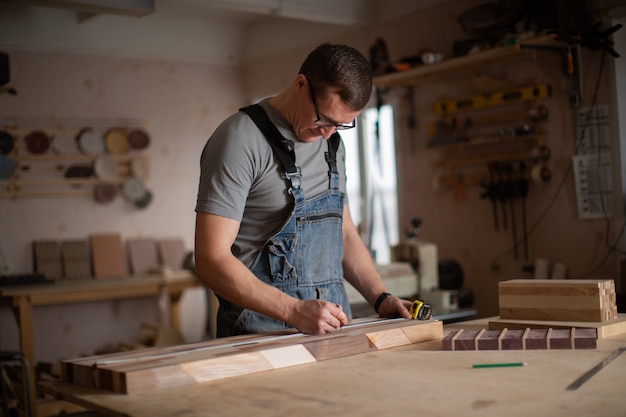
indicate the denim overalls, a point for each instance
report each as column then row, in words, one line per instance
column 304, row 258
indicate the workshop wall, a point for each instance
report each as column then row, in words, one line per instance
column 179, row 104
column 464, row 230
column 181, row 99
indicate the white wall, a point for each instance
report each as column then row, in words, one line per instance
column 179, row 103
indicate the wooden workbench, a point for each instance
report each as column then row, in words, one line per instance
column 418, row 379
column 24, row 298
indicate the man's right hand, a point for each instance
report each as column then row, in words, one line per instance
column 317, row 317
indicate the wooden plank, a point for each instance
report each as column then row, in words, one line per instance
column 151, row 369
column 554, row 314
column 605, row 329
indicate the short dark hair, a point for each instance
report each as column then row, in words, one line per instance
column 340, row 67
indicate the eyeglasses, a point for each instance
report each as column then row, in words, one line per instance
column 327, row 123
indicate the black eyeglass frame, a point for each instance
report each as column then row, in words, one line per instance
column 327, row 123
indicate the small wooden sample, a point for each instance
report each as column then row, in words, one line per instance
column 584, row 300
column 150, row 369
column 47, row 258
column 527, row 339
column 107, row 255
column 171, row 253
column 75, row 255
column 142, row 255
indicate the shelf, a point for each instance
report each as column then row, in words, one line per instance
column 464, row 63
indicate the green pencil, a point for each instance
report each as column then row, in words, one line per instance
column 499, row 365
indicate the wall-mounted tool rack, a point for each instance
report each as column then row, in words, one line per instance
column 465, row 63
column 52, row 158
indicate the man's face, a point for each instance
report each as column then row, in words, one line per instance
column 321, row 114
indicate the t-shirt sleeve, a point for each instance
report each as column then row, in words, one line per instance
column 227, row 170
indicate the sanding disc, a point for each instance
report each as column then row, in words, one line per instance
column 37, row 142
column 133, row 189
column 104, row 192
column 7, row 167
column 116, row 141
column 64, row 143
column 6, row 142
column 91, row 141
column 138, row 139
column 140, row 168
column 145, row 200
column 105, row 168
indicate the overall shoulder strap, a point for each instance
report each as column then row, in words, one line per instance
column 282, row 146
column 331, row 154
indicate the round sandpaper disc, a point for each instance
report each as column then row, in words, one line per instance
column 91, row 141
column 138, row 139
column 7, row 167
column 116, row 141
column 104, row 192
column 6, row 142
column 64, row 143
column 133, row 189
column 105, row 168
column 37, row 142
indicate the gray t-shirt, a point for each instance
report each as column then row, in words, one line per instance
column 242, row 179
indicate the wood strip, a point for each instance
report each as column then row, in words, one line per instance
column 575, row 302
column 555, row 314
column 157, row 368
column 604, row 330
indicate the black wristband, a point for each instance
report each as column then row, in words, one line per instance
column 379, row 300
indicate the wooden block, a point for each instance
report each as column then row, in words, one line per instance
column 512, row 340
column 157, row 368
column 605, row 329
column 448, row 340
column 564, row 300
column 466, row 340
column 75, row 256
column 536, row 339
column 107, row 255
column 489, row 340
column 560, row 339
column 142, row 255
column 585, row 338
column 47, row 258
column 171, row 253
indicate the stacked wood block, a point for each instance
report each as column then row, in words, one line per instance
column 150, row 369
column 47, row 258
column 561, row 300
column 528, row 339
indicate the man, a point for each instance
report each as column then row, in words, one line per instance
column 274, row 236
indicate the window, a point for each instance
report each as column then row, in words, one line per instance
column 372, row 182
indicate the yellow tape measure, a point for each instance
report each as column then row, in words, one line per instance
column 420, row 310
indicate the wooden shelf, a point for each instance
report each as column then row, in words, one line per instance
column 464, row 63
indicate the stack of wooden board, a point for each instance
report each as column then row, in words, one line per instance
column 157, row 368
column 567, row 303
column 562, row 300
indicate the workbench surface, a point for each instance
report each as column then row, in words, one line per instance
column 413, row 380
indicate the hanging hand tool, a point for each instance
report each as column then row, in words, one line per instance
column 491, row 193
column 511, row 195
column 522, row 190
column 460, row 190
column 501, row 191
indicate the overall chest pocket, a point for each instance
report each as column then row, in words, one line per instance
column 322, row 250
column 281, row 256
